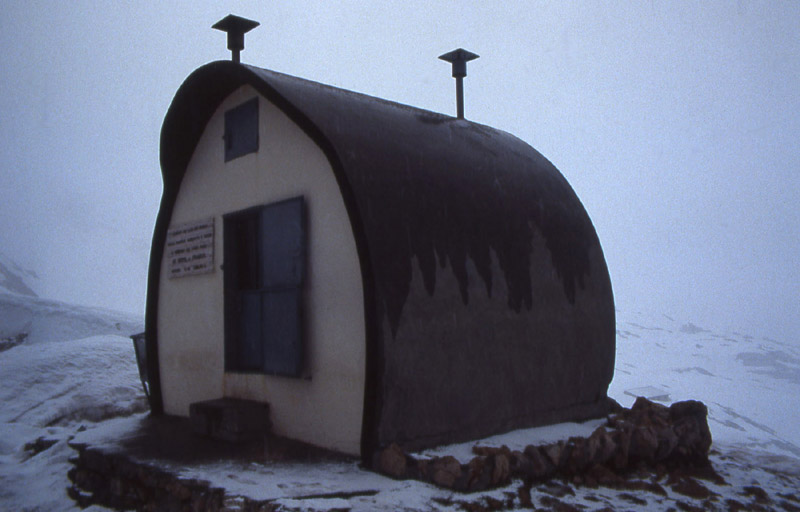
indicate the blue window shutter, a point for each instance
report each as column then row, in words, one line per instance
column 282, row 253
column 282, row 244
column 241, row 130
column 281, row 327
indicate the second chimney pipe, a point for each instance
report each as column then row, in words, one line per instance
column 459, row 59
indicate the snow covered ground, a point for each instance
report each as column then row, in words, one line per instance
column 750, row 383
column 65, row 368
column 73, row 375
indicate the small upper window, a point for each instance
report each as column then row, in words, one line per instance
column 241, row 130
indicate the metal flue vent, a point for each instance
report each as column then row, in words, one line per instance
column 459, row 59
column 236, row 27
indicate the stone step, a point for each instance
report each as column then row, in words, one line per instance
column 230, row 419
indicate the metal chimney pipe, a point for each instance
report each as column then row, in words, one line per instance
column 459, row 59
column 236, row 27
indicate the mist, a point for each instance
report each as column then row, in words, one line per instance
column 676, row 124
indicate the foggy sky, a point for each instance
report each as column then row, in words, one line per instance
column 675, row 122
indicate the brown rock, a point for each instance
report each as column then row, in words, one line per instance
column 646, row 436
column 691, row 408
column 540, row 466
column 519, row 463
column 490, row 450
column 578, row 457
column 178, row 490
column 501, row 471
column 647, row 413
column 566, row 455
column 445, row 471
column 622, row 442
column 690, row 487
column 553, row 453
column 690, row 424
column 644, row 444
column 600, row 446
column 419, row 470
column 524, row 494
column 116, row 486
column 667, row 442
column 483, row 451
column 479, row 474
column 392, row 461
column 604, row 476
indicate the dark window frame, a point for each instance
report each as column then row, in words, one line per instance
column 264, row 285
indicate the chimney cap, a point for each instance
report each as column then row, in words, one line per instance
column 459, row 58
column 236, row 27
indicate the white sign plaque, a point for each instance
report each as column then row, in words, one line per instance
column 190, row 248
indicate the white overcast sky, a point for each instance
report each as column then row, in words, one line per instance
column 677, row 123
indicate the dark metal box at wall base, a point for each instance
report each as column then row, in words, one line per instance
column 140, row 349
column 230, row 419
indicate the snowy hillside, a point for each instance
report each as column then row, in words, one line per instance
column 63, row 368
column 26, row 317
column 73, row 376
column 16, row 279
column 31, row 320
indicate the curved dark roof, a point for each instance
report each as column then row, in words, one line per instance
column 416, row 184
column 426, row 185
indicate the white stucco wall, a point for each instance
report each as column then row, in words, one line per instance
column 325, row 409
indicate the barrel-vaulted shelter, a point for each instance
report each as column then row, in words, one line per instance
column 375, row 272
